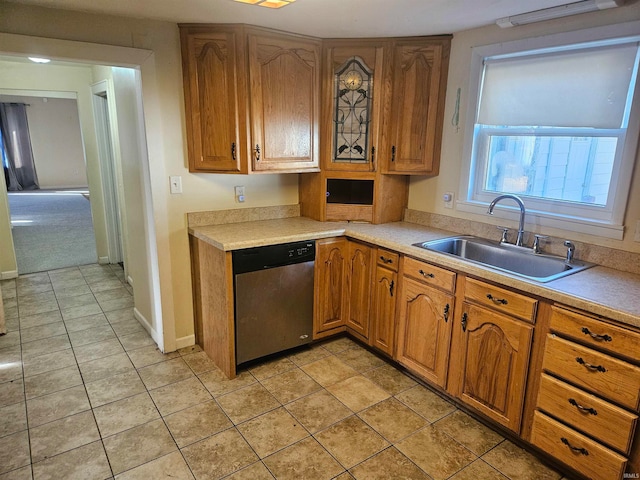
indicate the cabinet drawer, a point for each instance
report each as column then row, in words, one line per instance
column 594, row 332
column 607, row 423
column 500, row 299
column 602, row 374
column 430, row 274
column 388, row 259
column 579, row 452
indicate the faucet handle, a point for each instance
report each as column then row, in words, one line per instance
column 536, row 242
column 505, row 232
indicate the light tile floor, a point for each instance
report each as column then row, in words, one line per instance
column 85, row 394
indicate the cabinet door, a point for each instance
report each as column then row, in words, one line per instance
column 330, row 282
column 212, row 101
column 354, row 85
column 384, row 313
column 284, row 76
column 424, row 330
column 491, row 362
column 359, row 288
column 417, row 108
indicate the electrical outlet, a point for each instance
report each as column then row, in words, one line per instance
column 636, row 238
column 176, row 184
column 447, row 198
column 239, row 191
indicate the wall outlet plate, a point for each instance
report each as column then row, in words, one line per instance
column 447, row 198
column 239, row 193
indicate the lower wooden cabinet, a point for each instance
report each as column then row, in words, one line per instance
column 588, row 400
column 383, row 318
column 329, row 277
column 489, row 361
column 425, row 316
column 358, row 288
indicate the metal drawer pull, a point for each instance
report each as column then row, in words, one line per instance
column 580, row 450
column 598, row 368
column 595, row 336
column 385, row 259
column 425, row 274
column 446, row 313
column 391, row 285
column 589, row 410
column 233, row 150
column 497, row 301
column 257, row 152
column 464, row 322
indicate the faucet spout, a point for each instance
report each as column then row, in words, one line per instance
column 518, row 200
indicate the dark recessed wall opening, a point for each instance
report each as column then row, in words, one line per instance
column 340, row 190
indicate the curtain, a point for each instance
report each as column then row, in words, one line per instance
column 21, row 171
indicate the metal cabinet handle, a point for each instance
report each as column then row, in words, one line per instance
column 595, row 336
column 393, row 153
column 391, row 285
column 257, row 152
column 385, row 259
column 425, row 274
column 445, row 314
column 464, row 322
column 373, row 158
column 583, row 409
column 233, row 150
column 580, row 450
column 497, row 301
column 597, row 368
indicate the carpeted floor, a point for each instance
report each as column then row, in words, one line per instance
column 52, row 230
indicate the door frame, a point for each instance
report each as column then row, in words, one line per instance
column 161, row 325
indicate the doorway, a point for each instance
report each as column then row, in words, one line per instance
column 51, row 221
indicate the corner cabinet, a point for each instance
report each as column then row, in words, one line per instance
column 359, row 271
column 330, row 281
column 252, row 99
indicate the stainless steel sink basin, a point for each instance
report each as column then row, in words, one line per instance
column 509, row 258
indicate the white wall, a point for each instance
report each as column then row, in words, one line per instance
column 56, row 140
column 426, row 194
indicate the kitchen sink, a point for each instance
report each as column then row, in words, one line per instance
column 509, row 258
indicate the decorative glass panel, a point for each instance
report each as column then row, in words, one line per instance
column 353, row 89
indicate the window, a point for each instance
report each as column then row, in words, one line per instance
column 552, row 124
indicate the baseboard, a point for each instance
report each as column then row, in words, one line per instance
column 187, row 341
column 147, row 326
column 103, row 260
column 8, row 275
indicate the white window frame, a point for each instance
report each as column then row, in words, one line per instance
column 601, row 221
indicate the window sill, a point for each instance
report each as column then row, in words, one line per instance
column 562, row 222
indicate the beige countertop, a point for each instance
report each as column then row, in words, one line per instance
column 599, row 290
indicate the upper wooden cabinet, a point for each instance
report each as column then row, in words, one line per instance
column 413, row 128
column 230, row 70
column 354, row 89
column 284, row 88
column 214, row 86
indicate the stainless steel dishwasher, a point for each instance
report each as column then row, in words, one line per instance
column 273, row 298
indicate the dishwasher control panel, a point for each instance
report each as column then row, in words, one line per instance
column 270, row 256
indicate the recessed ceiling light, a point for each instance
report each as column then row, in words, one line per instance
column 268, row 3
column 39, row 60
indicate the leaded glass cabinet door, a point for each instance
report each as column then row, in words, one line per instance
column 353, row 88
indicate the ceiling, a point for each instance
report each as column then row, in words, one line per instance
column 321, row 18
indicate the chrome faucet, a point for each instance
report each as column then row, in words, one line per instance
column 522, row 212
column 571, row 248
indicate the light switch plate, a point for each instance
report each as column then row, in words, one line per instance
column 239, row 192
column 448, row 199
column 176, row 184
